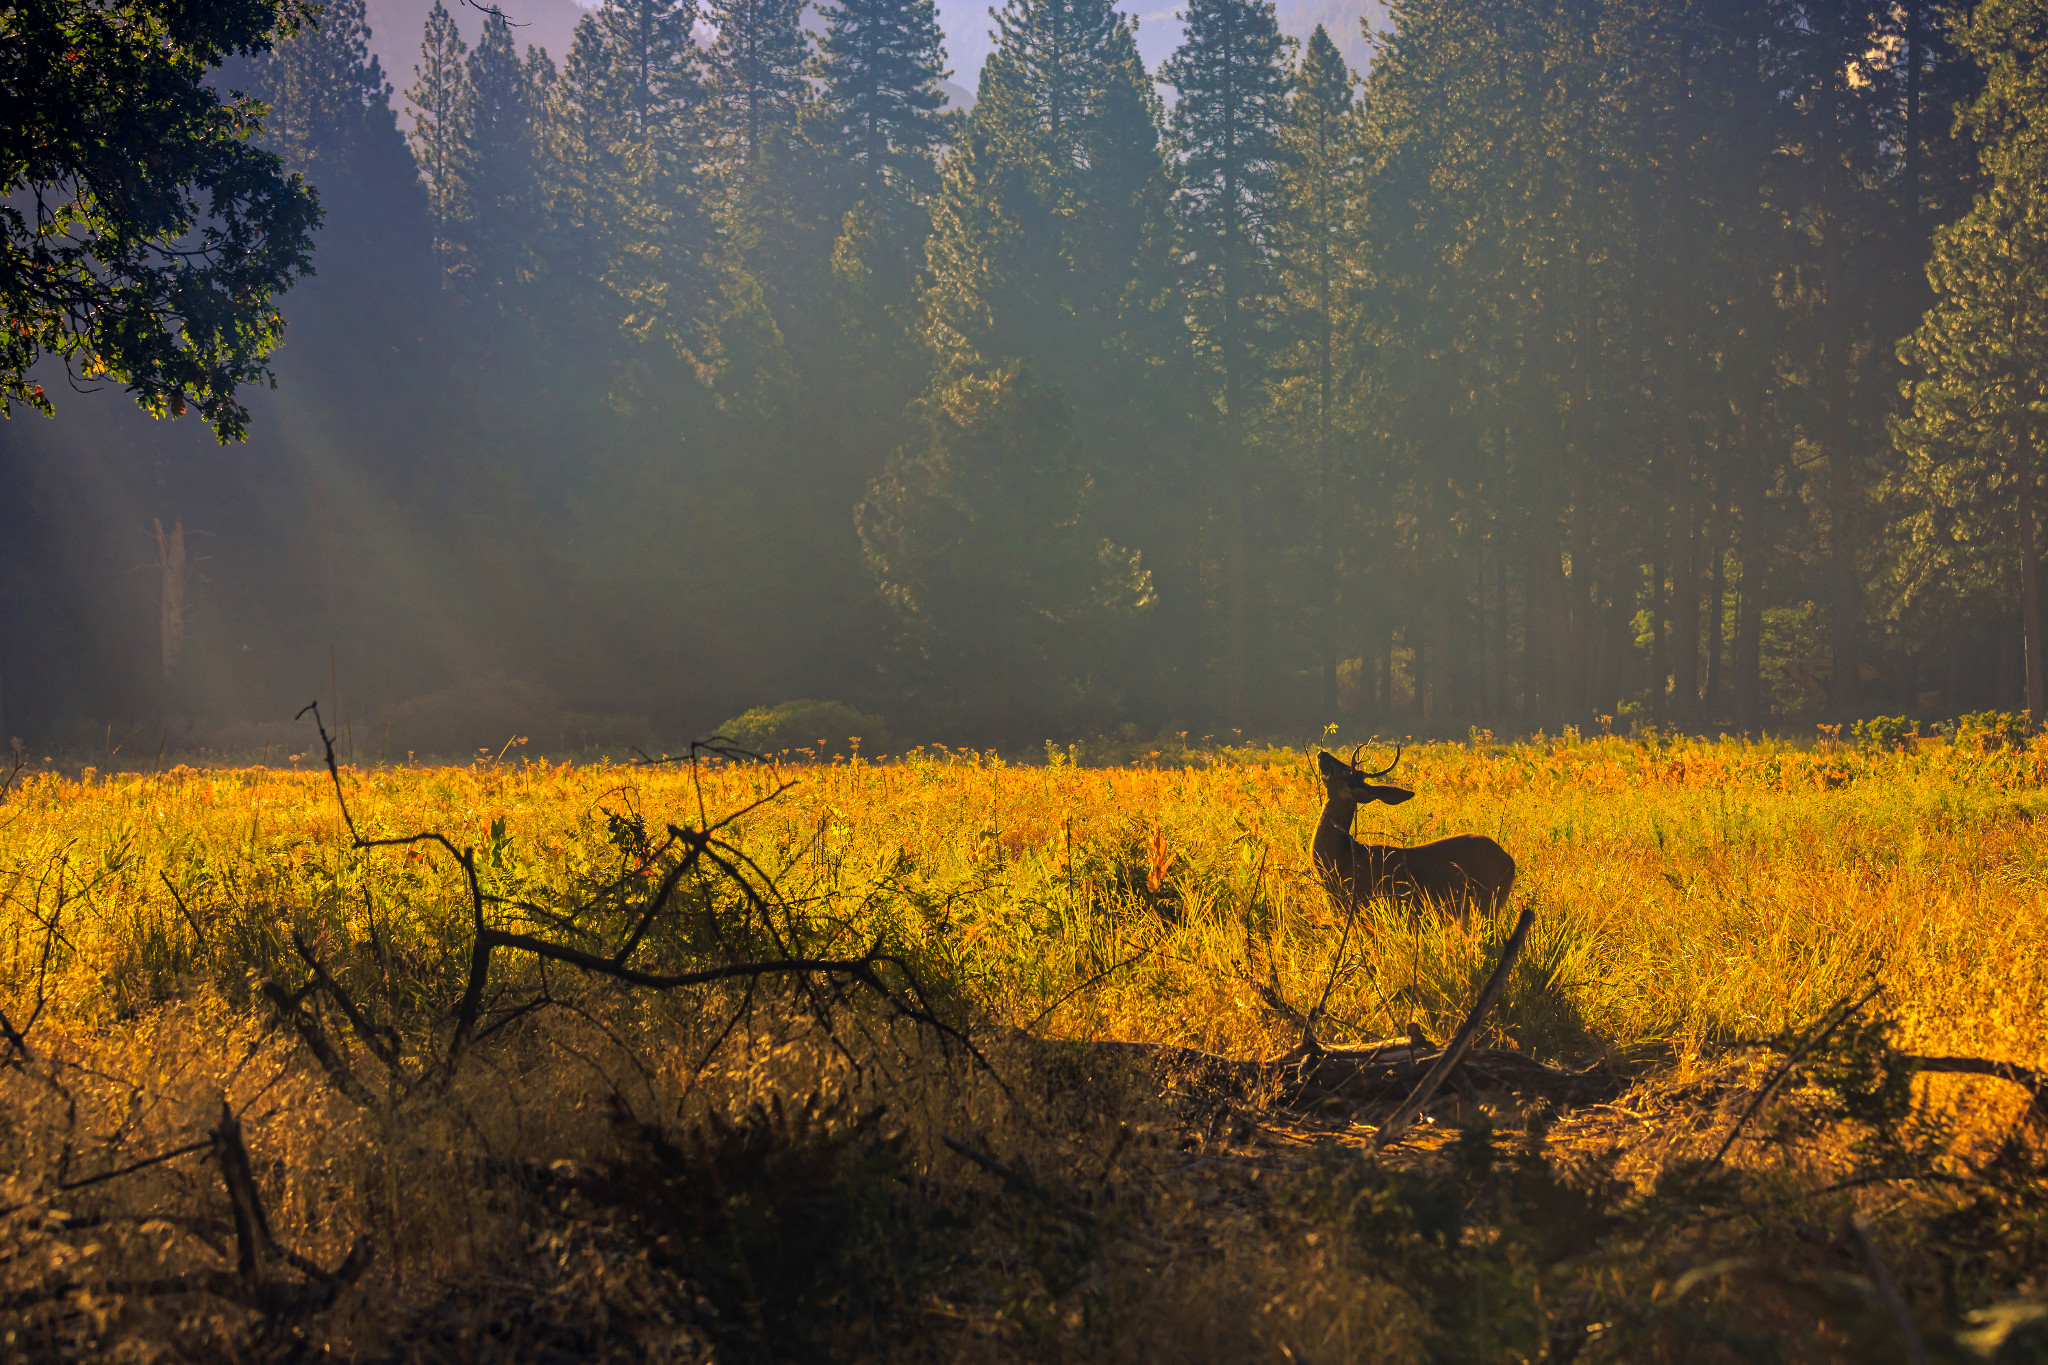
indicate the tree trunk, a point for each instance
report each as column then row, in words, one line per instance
column 2030, row 572
column 1482, row 692
column 1327, row 522
column 1685, row 608
column 1749, row 635
column 1660, row 620
column 1685, row 579
column 1717, row 608
column 1914, row 47
column 1845, row 685
column 1237, row 533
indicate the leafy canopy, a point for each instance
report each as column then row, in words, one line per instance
column 145, row 237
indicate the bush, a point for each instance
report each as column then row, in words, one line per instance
column 1884, row 734
column 1992, row 730
column 826, row 729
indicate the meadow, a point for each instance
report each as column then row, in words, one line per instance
column 164, row 938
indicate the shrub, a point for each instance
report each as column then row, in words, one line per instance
column 1992, row 730
column 826, row 728
column 1884, row 734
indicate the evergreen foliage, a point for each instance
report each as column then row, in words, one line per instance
column 758, row 74
column 657, row 64
column 1973, row 440
column 978, row 539
column 1227, row 132
column 498, row 160
column 440, row 100
column 1550, row 369
column 880, row 63
column 1041, row 87
column 1320, row 192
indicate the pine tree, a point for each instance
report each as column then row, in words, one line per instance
column 440, row 103
column 321, row 85
column 1227, row 128
column 657, row 62
column 1976, row 435
column 992, row 258
column 1040, row 88
column 1122, row 244
column 881, row 62
column 1050, row 207
column 331, row 120
column 585, row 173
column 757, row 81
column 665, row 232
column 498, row 160
column 1318, row 189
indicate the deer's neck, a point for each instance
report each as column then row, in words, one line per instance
column 1333, row 831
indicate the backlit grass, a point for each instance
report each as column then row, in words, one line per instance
column 1686, row 893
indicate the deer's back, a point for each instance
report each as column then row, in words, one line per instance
column 1458, row 872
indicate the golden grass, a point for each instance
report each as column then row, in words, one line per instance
column 1686, row 894
column 1689, row 895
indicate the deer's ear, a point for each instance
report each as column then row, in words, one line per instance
column 1393, row 796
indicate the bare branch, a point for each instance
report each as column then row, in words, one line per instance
column 1462, row 1041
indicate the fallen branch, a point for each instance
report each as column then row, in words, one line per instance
column 205, row 1144
column 255, row 1248
column 1462, row 1041
column 290, row 1009
column 1382, row 1072
column 256, row 1282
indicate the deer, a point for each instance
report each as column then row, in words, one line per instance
column 1453, row 874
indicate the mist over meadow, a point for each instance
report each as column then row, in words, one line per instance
column 1460, row 365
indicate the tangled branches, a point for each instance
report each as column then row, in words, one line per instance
column 684, row 853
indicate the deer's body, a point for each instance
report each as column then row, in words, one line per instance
column 1455, row 874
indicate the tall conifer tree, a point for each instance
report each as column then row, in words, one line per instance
column 1977, row 438
column 586, row 211
column 1041, row 86
column 499, row 159
column 666, row 233
column 1319, row 187
column 881, row 62
column 1227, row 128
column 657, row 63
column 440, row 105
column 757, row 79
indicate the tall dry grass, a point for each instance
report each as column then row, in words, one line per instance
column 1690, row 895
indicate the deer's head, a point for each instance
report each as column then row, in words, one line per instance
column 1349, row 782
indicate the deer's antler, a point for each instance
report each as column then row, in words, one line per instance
column 1384, row 771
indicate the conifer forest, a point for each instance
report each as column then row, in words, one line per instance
column 1677, row 362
